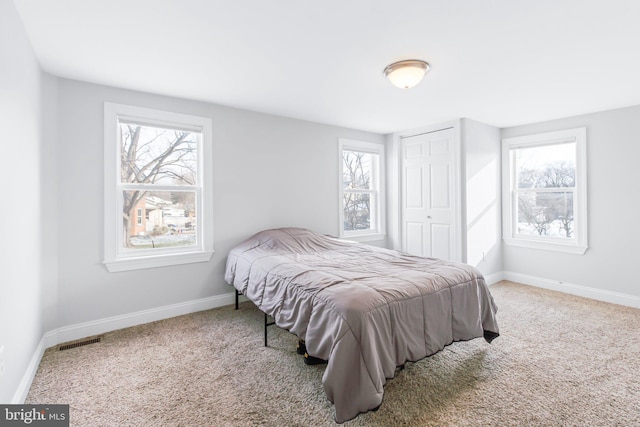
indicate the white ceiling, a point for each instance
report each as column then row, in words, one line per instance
column 502, row 62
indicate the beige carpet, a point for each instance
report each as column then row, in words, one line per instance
column 560, row 361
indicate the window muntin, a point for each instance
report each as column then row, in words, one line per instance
column 157, row 208
column 545, row 191
column 361, row 189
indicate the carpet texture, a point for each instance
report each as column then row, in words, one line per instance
column 561, row 360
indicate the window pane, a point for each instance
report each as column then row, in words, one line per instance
column 168, row 219
column 545, row 214
column 356, row 172
column 546, row 166
column 156, row 155
column 357, row 211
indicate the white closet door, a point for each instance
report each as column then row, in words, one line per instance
column 428, row 194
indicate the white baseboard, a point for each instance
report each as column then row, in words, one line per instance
column 570, row 288
column 101, row 326
column 23, row 389
column 493, row 278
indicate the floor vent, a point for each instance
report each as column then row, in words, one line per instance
column 79, row 343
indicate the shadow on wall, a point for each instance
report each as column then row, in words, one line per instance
column 483, row 212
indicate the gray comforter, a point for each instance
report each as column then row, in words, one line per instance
column 365, row 309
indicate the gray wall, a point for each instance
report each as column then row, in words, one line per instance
column 613, row 153
column 269, row 171
column 48, row 241
column 24, row 296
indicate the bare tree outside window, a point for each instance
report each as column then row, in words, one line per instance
column 545, row 188
column 163, row 159
column 357, row 190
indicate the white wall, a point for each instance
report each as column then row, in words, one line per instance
column 22, row 217
column 481, row 210
column 613, row 153
column 269, row 172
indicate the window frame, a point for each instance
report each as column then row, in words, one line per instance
column 578, row 244
column 116, row 257
column 377, row 231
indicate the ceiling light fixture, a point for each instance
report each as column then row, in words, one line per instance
column 406, row 74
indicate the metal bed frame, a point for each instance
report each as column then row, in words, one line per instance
column 266, row 318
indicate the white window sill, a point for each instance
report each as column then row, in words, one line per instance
column 548, row 246
column 154, row 261
column 365, row 237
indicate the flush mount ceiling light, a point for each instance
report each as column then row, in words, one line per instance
column 406, row 74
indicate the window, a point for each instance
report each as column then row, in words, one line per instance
column 157, row 164
column 361, row 190
column 545, row 191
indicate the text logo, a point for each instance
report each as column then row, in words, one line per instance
column 34, row 415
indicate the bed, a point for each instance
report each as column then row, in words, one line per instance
column 365, row 310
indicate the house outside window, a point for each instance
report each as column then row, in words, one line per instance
column 545, row 191
column 157, row 166
column 361, row 190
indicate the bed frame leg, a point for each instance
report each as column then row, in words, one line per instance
column 265, row 329
column 266, row 320
column 267, row 323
